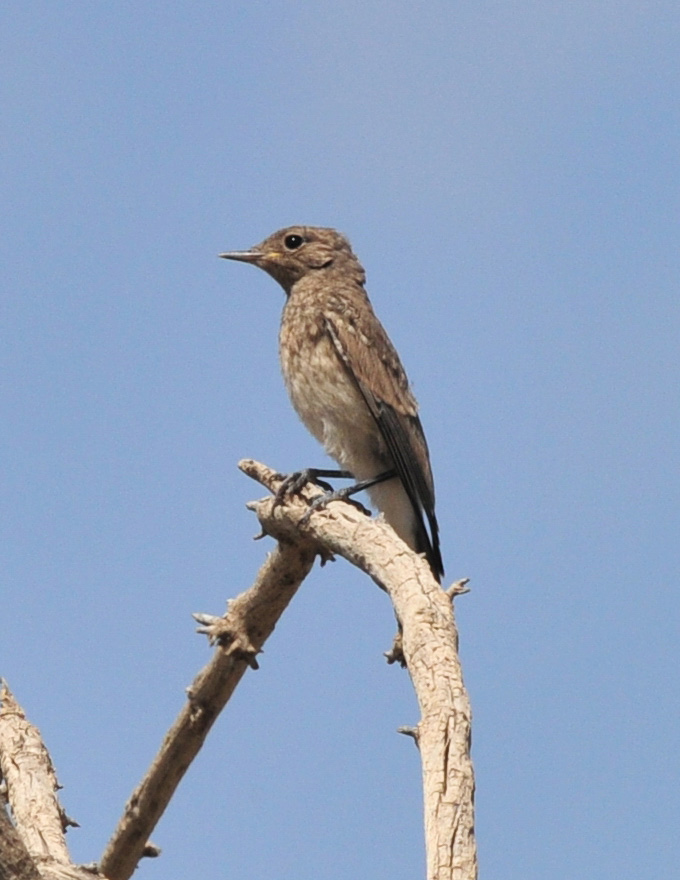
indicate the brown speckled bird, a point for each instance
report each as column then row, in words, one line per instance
column 346, row 381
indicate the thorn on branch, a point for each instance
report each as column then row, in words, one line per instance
column 325, row 556
column 458, row 588
column 66, row 821
column 396, row 652
column 410, row 731
column 248, row 656
column 235, row 642
column 206, row 621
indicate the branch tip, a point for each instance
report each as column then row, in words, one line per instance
column 325, row 556
column 429, row 643
column 458, row 588
column 67, row 822
column 396, row 652
column 204, row 619
column 410, row 731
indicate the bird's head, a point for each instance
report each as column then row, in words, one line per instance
column 292, row 253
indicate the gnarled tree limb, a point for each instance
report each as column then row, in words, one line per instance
column 429, row 644
column 35, row 846
column 249, row 621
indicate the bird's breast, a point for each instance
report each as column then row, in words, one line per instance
column 324, row 395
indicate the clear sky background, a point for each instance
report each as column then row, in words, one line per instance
column 508, row 175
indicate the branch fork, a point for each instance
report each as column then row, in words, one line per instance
column 34, row 847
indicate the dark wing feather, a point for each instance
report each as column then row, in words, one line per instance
column 381, row 379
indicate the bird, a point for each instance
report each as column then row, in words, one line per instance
column 346, row 381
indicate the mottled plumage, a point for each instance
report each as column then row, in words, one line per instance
column 345, row 379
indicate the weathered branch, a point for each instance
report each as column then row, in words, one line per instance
column 249, row 621
column 429, row 642
column 426, row 644
column 15, row 861
column 36, row 847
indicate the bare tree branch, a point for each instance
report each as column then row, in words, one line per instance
column 15, row 862
column 249, row 621
column 426, row 644
column 429, row 643
column 32, row 795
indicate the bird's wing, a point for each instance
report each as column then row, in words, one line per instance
column 373, row 363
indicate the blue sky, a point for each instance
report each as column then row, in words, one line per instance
column 508, row 175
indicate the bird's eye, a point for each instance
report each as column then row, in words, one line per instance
column 293, row 242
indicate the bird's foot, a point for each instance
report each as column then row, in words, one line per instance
column 334, row 495
column 295, row 482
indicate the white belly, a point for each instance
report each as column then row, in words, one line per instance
column 333, row 409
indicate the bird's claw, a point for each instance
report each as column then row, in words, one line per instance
column 322, row 501
column 295, row 482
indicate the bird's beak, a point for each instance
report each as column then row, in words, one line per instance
column 243, row 256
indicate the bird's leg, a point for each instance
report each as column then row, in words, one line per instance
column 293, row 483
column 345, row 494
